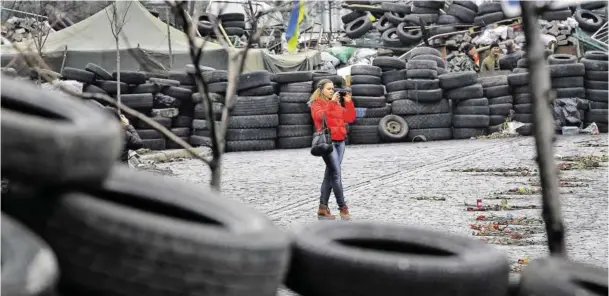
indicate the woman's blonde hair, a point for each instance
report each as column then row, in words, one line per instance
column 317, row 93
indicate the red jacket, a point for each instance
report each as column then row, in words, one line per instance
column 336, row 116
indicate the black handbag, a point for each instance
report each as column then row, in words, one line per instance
column 322, row 142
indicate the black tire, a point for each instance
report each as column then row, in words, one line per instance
column 470, row 121
column 518, row 79
column 556, row 15
column 429, row 57
column 564, row 70
column 568, row 82
column 288, row 131
column 297, row 87
column 500, row 109
column 458, row 79
column 397, row 86
column 200, row 141
column 462, row 13
column 490, row 81
column 417, row 51
column 169, row 144
column 295, row 119
column 364, row 134
column 100, row 73
column 523, row 99
column 389, row 62
column 446, row 19
column 295, row 142
column 164, row 82
column 598, row 105
column 146, row 88
column 556, row 276
column 74, row 141
column 251, row 134
column 376, row 112
column 560, row 59
column 495, row 120
column 597, row 115
column 596, row 75
column 286, row 97
column 177, row 92
column 130, row 77
column 422, row 84
column 181, row 121
column 598, row 55
column 472, row 102
column 345, row 246
column 421, row 64
column 471, row 5
column 293, row 108
column 369, row 102
column 430, row 134
column 154, row 144
column 588, row 20
column 92, row 89
column 257, row 91
column 256, row 105
column 471, row 110
column 597, row 95
column 467, row 133
column 410, row 107
column 496, row 91
column 165, row 122
column 523, row 108
column 83, row 76
column 359, row 27
column 422, row 121
column 292, row 77
column 393, row 128
column 137, row 101
column 501, row 100
column 24, row 254
column 365, row 79
column 424, row 96
column 489, row 7
column 408, row 36
column 365, row 70
column 392, row 76
column 255, row 121
column 231, row 17
column 111, row 87
column 353, row 15
column 232, row 31
column 369, row 90
column 214, row 97
column 398, row 95
column 570, row 92
column 215, row 76
column 170, row 213
column 465, row 92
column 366, row 121
column 602, row 85
column 422, row 74
column 253, row 79
column 595, row 65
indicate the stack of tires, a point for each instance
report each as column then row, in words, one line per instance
column 233, row 23
column 367, row 92
column 519, row 85
column 470, row 108
column 497, row 91
column 461, row 12
column 596, row 83
column 488, row 13
column 217, row 82
column 253, row 122
column 428, row 54
column 427, row 11
column 295, row 128
column 568, row 81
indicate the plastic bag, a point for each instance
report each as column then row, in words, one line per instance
column 164, row 101
column 342, row 53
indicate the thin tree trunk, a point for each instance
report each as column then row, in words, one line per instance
column 216, row 174
column 543, row 125
column 118, row 74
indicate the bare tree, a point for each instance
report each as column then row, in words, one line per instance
column 117, row 21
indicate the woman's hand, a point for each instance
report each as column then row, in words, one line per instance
column 336, row 97
column 348, row 97
column 124, row 120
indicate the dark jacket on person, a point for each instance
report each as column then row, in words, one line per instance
column 509, row 60
column 132, row 142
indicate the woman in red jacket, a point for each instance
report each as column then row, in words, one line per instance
column 324, row 101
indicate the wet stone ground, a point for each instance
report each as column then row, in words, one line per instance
column 431, row 185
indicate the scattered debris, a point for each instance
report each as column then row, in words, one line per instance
column 20, row 29
column 432, row 197
column 499, row 208
column 524, row 191
column 508, row 219
column 517, row 266
column 571, row 182
column 507, row 241
column 505, row 172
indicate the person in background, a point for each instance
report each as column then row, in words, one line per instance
column 325, row 102
column 510, row 59
column 491, row 62
column 132, row 138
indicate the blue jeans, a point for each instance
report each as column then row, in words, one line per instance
column 332, row 176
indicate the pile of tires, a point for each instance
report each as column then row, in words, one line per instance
column 252, row 125
column 233, row 23
column 460, row 12
column 518, row 81
column 419, row 98
column 488, row 13
column 470, row 109
column 295, row 128
column 568, row 81
column 589, row 20
column 165, row 97
column 596, row 83
column 497, row 90
column 367, row 92
column 216, row 82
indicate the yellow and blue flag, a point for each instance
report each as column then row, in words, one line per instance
column 296, row 17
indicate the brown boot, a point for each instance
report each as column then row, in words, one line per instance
column 324, row 213
column 344, row 213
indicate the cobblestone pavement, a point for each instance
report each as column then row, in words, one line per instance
column 381, row 180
